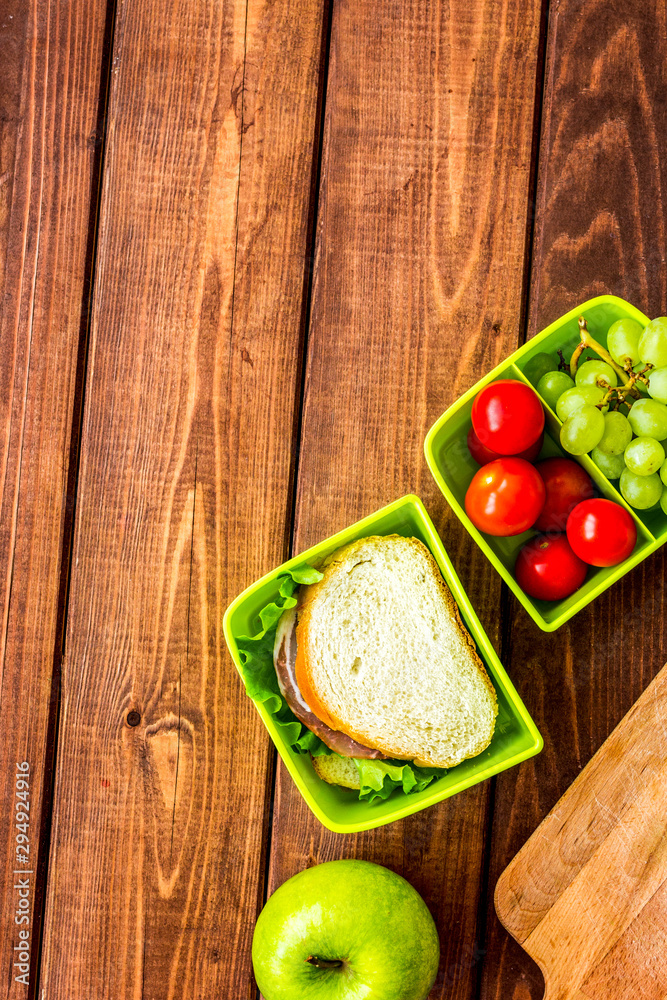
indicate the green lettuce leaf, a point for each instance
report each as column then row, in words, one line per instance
column 258, row 672
column 378, row 778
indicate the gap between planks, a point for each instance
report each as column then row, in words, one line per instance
column 308, row 277
column 51, row 751
column 506, row 598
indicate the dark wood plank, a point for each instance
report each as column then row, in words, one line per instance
column 156, row 872
column 51, row 64
column 418, row 290
column 600, row 206
column 600, row 227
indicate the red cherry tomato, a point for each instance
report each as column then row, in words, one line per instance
column 505, row 497
column 483, row 455
column 601, row 532
column 547, row 568
column 567, row 484
column 507, row 416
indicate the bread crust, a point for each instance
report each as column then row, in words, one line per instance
column 304, row 672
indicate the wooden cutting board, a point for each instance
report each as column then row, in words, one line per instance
column 587, row 894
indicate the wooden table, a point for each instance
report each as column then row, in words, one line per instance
column 251, row 249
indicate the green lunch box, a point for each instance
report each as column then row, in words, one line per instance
column 515, row 738
column 453, row 467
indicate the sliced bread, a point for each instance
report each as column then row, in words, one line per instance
column 382, row 655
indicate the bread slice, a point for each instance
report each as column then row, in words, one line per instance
column 383, row 656
column 337, row 770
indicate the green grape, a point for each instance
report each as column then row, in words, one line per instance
column 644, row 456
column 610, row 466
column 641, row 492
column 617, row 434
column 657, row 384
column 623, row 341
column 573, row 399
column 552, row 386
column 663, row 500
column 653, row 343
column 582, row 431
column 539, row 365
column 648, row 418
column 663, row 471
column 591, row 371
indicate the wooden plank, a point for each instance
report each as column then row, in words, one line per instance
column 600, row 208
column 52, row 73
column 600, row 226
column 417, row 292
column 159, row 818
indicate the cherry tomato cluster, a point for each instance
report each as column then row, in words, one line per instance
column 509, row 495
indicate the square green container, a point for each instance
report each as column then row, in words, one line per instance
column 452, row 466
column 515, row 738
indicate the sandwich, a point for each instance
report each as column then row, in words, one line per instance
column 375, row 661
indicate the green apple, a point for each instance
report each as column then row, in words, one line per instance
column 345, row 930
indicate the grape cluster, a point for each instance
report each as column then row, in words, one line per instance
column 604, row 407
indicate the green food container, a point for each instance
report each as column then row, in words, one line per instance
column 515, row 738
column 453, row 467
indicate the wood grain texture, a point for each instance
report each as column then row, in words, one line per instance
column 635, row 966
column 156, row 870
column 417, row 291
column 51, row 63
column 600, row 214
column 600, row 222
column 585, row 896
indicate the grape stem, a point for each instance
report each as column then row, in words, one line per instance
column 587, row 340
column 574, row 360
column 627, row 375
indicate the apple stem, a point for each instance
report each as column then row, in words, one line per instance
column 324, row 963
